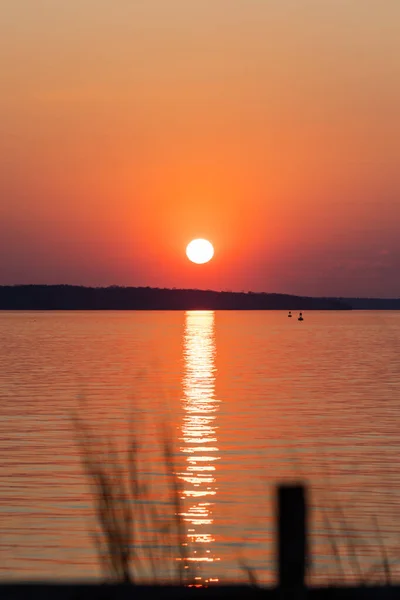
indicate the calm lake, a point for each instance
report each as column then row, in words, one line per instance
column 250, row 399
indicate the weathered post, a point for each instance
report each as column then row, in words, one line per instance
column 292, row 537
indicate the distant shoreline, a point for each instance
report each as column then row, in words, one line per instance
column 69, row 297
column 66, row 297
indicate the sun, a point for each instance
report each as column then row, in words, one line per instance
column 200, row 251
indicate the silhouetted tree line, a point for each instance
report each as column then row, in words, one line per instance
column 372, row 303
column 68, row 297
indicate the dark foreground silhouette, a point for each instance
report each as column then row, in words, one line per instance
column 67, row 297
column 292, row 561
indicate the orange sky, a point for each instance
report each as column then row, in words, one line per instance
column 270, row 127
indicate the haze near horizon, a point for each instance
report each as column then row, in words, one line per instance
column 270, row 128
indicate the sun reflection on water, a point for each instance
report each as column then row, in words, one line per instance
column 199, row 438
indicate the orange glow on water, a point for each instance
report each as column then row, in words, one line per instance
column 199, row 437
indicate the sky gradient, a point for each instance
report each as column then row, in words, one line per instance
column 270, row 127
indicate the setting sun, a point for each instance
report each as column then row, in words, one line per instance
column 200, row 251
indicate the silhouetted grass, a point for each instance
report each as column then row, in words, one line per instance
column 137, row 539
column 379, row 573
column 141, row 539
column 342, row 537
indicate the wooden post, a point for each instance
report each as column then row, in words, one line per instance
column 292, row 536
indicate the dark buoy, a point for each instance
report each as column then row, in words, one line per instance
column 300, row 317
column 290, row 314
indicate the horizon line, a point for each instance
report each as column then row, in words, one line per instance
column 147, row 287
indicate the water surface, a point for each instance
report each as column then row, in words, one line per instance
column 251, row 399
